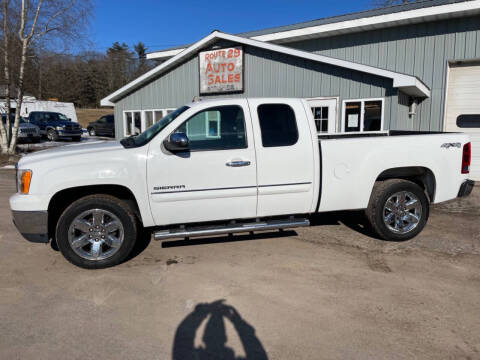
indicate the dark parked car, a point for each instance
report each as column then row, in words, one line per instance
column 105, row 126
column 26, row 131
column 55, row 125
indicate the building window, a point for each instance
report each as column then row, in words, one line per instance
column 137, row 121
column 148, row 118
column 132, row 122
column 320, row 114
column 212, row 124
column 468, row 121
column 278, row 125
column 362, row 115
column 127, row 122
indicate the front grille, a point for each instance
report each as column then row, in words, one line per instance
column 28, row 130
column 72, row 127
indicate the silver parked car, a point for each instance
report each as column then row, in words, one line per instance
column 26, row 131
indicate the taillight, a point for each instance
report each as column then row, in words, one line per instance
column 466, row 157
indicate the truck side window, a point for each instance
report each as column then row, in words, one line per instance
column 277, row 125
column 216, row 128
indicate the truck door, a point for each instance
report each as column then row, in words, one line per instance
column 100, row 126
column 216, row 178
column 284, row 149
column 36, row 119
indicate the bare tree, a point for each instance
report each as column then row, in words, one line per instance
column 5, row 131
column 38, row 22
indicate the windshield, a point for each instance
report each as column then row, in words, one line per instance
column 53, row 116
column 153, row 130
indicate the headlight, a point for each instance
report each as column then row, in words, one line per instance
column 59, row 128
column 24, row 177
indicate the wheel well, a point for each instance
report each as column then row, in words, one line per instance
column 421, row 176
column 62, row 199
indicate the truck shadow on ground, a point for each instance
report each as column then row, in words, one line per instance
column 354, row 220
column 214, row 336
column 226, row 239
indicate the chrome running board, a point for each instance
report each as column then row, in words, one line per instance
column 231, row 228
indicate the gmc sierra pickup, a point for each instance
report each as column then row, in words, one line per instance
column 228, row 166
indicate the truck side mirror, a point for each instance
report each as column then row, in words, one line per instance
column 176, row 142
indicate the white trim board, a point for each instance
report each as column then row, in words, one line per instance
column 438, row 12
column 407, row 83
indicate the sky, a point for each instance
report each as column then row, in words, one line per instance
column 163, row 24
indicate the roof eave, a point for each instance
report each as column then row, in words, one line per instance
column 399, row 80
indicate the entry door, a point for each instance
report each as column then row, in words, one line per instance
column 463, row 108
column 216, row 179
column 325, row 114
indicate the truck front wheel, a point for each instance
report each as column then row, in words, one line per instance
column 398, row 209
column 52, row 135
column 96, row 231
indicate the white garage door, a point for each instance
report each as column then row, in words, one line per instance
column 463, row 108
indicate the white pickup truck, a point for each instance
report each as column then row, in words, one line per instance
column 228, row 166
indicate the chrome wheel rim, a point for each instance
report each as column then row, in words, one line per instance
column 96, row 234
column 92, row 132
column 402, row 212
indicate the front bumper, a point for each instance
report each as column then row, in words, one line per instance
column 33, row 225
column 466, row 188
column 67, row 133
column 22, row 135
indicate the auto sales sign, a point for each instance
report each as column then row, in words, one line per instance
column 221, row 70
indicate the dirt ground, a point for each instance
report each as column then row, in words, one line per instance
column 84, row 116
column 330, row 291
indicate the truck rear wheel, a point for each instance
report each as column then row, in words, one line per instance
column 398, row 209
column 96, row 231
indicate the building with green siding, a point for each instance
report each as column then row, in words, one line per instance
column 414, row 66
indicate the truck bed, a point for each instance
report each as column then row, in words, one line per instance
column 352, row 162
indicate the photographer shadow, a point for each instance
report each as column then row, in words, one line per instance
column 214, row 336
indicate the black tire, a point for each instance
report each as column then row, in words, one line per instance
column 77, row 138
column 382, row 191
column 52, row 135
column 91, row 131
column 103, row 202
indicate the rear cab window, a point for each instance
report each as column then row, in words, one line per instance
column 278, row 125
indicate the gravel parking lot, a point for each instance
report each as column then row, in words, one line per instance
column 330, row 291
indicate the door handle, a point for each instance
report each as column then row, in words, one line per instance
column 238, row 163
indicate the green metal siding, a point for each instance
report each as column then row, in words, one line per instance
column 267, row 74
column 422, row 50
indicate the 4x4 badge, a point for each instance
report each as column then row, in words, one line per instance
column 449, row 145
